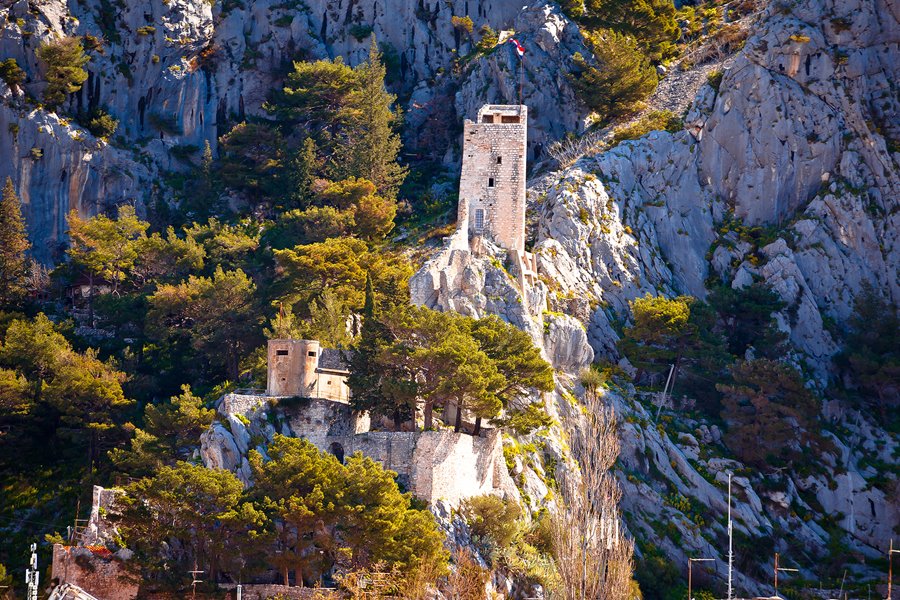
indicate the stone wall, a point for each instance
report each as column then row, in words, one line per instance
column 434, row 465
column 492, row 182
column 266, row 591
column 99, row 572
column 454, row 466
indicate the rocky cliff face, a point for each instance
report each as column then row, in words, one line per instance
column 179, row 73
column 798, row 139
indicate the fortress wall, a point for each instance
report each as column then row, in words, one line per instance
column 455, row 466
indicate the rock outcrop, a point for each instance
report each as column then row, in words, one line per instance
column 797, row 140
column 178, row 74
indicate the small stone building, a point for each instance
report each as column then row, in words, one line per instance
column 492, row 183
column 303, row 368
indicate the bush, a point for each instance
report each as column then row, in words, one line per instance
column 12, row 73
column 492, row 520
column 100, row 123
column 489, row 38
column 714, row 79
column 652, row 121
column 621, row 80
column 463, row 24
column 361, row 32
column 64, row 60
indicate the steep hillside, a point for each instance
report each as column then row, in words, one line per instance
column 179, row 74
column 786, row 174
column 781, row 178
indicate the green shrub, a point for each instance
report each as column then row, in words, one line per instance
column 360, row 31
column 11, row 73
column 100, row 123
column 715, row 79
column 652, row 121
column 146, row 30
column 494, row 521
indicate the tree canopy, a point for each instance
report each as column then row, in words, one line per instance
column 448, row 361
column 63, row 60
column 13, row 246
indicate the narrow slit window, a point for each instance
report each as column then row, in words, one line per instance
column 281, row 353
column 499, row 160
column 311, row 353
column 490, row 182
column 479, row 220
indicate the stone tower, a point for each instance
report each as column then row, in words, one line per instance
column 492, row 184
column 292, row 367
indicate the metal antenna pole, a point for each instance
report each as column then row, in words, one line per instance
column 32, row 575
column 730, row 546
column 662, row 399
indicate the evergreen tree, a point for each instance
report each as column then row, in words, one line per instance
column 13, row 246
column 371, row 145
column 34, row 349
column 215, row 315
column 328, row 321
column 87, row 394
column 747, row 318
column 315, row 96
column 252, row 156
column 64, row 61
column 12, row 73
column 770, row 413
column 107, row 248
column 622, row 78
column 369, row 391
column 195, row 512
column 870, row 357
column 302, row 168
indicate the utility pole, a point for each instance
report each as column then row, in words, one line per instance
column 777, row 568
column 891, row 553
column 691, row 561
column 730, row 546
column 194, row 580
column 32, row 575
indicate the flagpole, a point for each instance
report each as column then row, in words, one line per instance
column 521, row 77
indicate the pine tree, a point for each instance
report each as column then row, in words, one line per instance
column 64, row 60
column 365, row 372
column 622, row 79
column 303, row 166
column 13, row 246
column 770, row 413
column 372, row 144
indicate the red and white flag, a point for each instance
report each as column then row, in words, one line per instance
column 520, row 49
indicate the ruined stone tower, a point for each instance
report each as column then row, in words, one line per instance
column 492, row 184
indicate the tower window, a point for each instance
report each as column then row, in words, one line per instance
column 490, row 182
column 499, row 160
column 311, row 353
column 281, row 353
column 479, row 220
